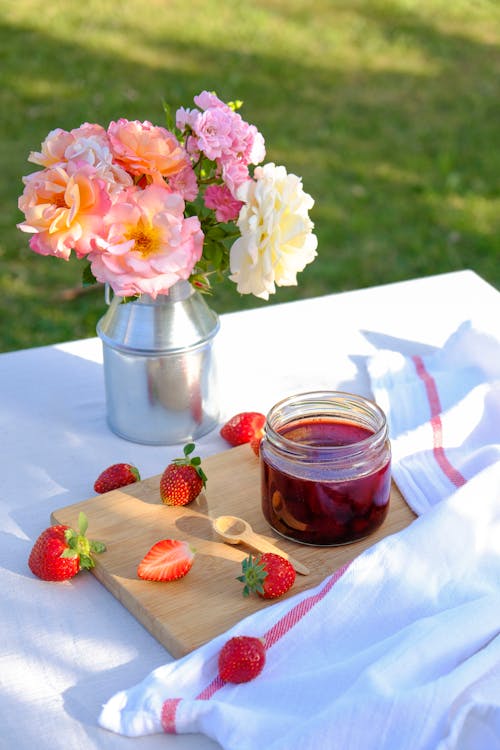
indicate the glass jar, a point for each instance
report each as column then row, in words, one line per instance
column 325, row 467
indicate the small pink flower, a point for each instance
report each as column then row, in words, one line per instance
column 186, row 118
column 185, row 183
column 219, row 198
column 234, row 174
column 64, row 207
column 213, row 131
column 220, row 133
column 251, row 145
column 143, row 148
column 206, row 100
column 149, row 244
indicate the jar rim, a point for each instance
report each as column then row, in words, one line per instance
column 323, row 400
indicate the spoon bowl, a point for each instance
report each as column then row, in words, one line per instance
column 231, row 528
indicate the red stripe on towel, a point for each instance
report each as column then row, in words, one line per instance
column 288, row 621
column 168, row 712
column 436, row 425
column 273, row 635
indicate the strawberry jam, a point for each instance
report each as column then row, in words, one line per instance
column 325, row 465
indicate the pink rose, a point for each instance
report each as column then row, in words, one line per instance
column 149, row 244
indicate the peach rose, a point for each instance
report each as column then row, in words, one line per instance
column 64, row 206
column 89, row 142
column 142, row 148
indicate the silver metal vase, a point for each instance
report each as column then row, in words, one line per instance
column 160, row 366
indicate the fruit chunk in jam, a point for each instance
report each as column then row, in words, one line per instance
column 322, row 510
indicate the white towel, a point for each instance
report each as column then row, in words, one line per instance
column 400, row 651
column 443, row 412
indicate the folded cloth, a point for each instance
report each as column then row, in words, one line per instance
column 399, row 651
column 443, row 412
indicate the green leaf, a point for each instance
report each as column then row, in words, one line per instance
column 208, row 250
column 71, row 539
column 218, row 255
column 69, row 554
column 88, row 278
column 98, row 547
column 86, row 562
column 217, row 233
column 189, row 448
column 202, row 475
column 254, row 573
column 169, row 119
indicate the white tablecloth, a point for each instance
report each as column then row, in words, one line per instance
column 68, row 647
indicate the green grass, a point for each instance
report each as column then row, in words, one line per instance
column 388, row 109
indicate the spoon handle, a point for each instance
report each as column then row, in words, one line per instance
column 262, row 545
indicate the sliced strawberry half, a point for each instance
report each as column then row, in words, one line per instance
column 167, row 560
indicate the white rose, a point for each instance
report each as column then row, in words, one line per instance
column 276, row 233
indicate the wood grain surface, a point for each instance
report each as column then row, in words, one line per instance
column 184, row 614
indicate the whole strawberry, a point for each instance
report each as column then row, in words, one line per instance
column 60, row 553
column 243, row 428
column 115, row 476
column 268, row 575
column 183, row 479
column 241, row 659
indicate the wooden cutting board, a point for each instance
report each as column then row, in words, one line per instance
column 184, row 614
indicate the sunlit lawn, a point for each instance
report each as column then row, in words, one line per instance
column 389, row 111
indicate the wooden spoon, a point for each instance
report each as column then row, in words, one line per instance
column 234, row 530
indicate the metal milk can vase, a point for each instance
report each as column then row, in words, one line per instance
column 159, row 366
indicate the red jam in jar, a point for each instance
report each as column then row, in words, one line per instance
column 325, row 467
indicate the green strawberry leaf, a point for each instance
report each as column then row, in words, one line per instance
column 253, row 575
column 86, row 562
column 202, row 475
column 98, row 547
column 69, row 554
column 71, row 539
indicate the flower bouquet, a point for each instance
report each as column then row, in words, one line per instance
column 148, row 206
column 157, row 213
